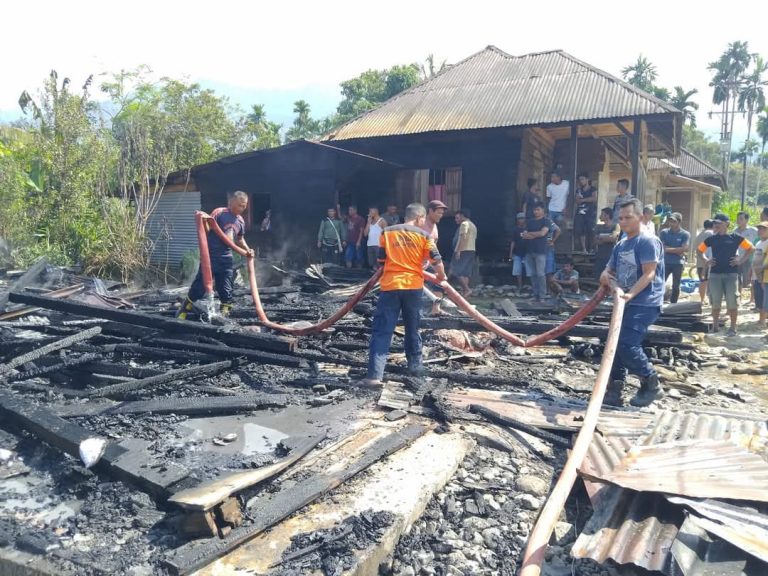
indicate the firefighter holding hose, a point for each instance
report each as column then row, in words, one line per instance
column 403, row 249
column 230, row 220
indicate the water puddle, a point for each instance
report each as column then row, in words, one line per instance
column 251, row 438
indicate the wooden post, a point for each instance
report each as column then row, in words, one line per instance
column 574, row 149
column 636, row 159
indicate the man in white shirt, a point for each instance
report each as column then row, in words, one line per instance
column 557, row 192
column 647, row 225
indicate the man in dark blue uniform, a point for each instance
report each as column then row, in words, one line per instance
column 230, row 220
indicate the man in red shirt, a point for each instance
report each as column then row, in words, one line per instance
column 403, row 250
column 355, row 251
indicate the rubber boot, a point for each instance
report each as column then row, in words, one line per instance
column 226, row 309
column 613, row 394
column 649, row 392
column 185, row 309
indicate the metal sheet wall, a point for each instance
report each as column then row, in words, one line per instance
column 172, row 227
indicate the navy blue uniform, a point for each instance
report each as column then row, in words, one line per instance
column 221, row 257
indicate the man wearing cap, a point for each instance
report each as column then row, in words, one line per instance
column 517, row 251
column 403, row 249
column 463, row 260
column 435, row 212
column 724, row 269
column 758, row 273
column 637, row 267
column 676, row 242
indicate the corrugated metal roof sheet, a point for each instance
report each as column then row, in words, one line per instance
column 687, row 164
column 492, row 89
column 617, row 533
column 698, row 468
column 696, row 553
column 172, row 227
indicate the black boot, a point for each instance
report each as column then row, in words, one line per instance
column 613, row 394
column 650, row 391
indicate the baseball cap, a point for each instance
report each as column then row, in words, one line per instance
column 435, row 204
column 721, row 218
column 675, row 216
column 763, row 225
column 520, row 215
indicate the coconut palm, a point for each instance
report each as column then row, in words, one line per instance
column 641, row 74
column 751, row 98
column 762, row 132
column 682, row 101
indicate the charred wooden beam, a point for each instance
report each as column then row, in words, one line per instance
column 203, row 405
column 27, row 278
column 278, row 506
column 250, row 339
column 43, row 350
column 146, row 352
column 497, row 418
column 191, row 373
column 129, row 460
column 293, row 361
column 114, row 369
column 37, row 372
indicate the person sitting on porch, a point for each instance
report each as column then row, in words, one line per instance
column 567, row 278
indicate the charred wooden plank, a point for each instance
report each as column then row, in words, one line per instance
column 208, row 494
column 275, row 507
column 191, row 373
column 38, row 372
column 497, row 418
column 250, row 339
column 43, row 350
column 28, row 277
column 203, row 405
column 257, row 356
column 129, row 461
column 115, row 369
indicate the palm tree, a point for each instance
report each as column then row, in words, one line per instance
column 641, row 74
column 762, row 132
column 751, row 98
column 728, row 72
column 682, row 101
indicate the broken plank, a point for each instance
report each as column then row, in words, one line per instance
column 509, row 308
column 208, row 494
column 183, row 327
column 394, row 395
column 24, row 310
column 497, row 418
column 53, row 346
column 203, row 405
column 275, row 507
column 192, row 373
column 230, row 352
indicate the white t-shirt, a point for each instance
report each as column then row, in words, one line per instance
column 649, row 228
column 558, row 195
column 757, row 263
column 750, row 233
column 374, row 233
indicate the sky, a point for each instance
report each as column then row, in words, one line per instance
column 274, row 53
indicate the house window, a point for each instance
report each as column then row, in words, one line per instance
column 445, row 185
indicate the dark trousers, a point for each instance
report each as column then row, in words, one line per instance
column 223, row 281
column 330, row 254
column 630, row 356
column 391, row 303
column 677, row 274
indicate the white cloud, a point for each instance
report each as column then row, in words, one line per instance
column 284, row 46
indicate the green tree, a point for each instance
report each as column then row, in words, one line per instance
column 751, row 98
column 259, row 133
column 429, row 70
column 681, row 100
column 373, row 87
column 699, row 144
column 762, row 133
column 304, row 126
column 641, row 74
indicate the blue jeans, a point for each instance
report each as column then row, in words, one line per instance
column 555, row 216
column 536, row 264
column 630, row 356
column 388, row 309
column 354, row 254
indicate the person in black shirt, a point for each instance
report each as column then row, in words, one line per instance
column 535, row 236
column 517, row 251
column 584, row 221
column 724, row 269
column 531, row 197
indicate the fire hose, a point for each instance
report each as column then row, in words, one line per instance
column 542, row 530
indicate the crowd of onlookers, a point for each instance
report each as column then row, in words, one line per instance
column 727, row 262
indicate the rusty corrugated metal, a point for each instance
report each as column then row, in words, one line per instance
column 698, row 468
column 611, row 536
column 744, row 527
column 492, row 89
column 696, row 553
column 688, row 165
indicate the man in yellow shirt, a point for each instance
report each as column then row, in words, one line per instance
column 403, row 249
column 463, row 261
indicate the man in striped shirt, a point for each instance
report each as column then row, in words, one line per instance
column 403, row 249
